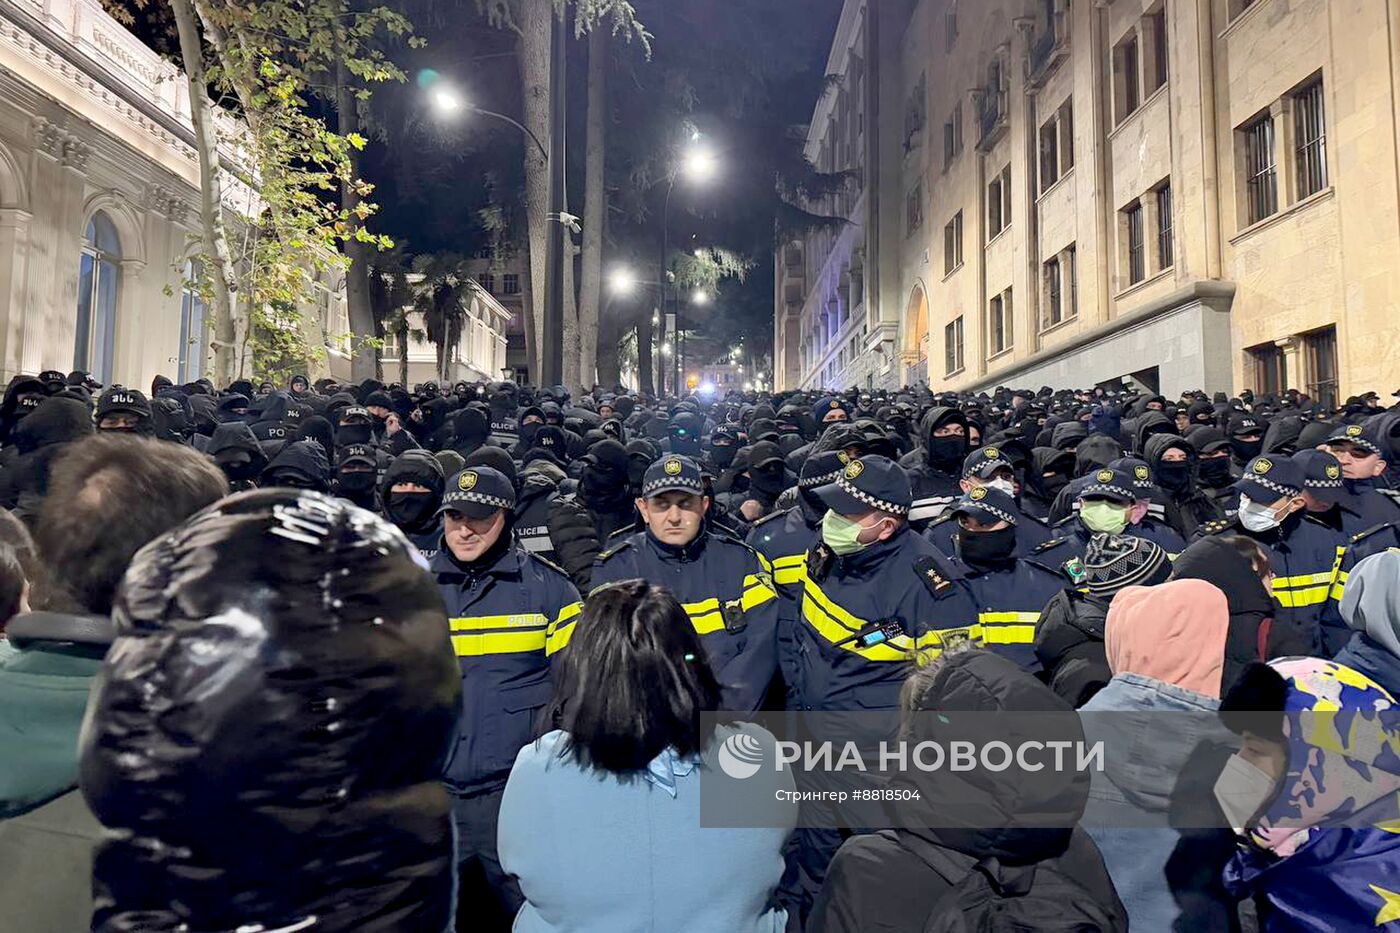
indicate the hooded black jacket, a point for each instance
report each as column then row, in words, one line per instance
column 934, row 486
column 1069, row 645
column 897, row 880
column 39, row 438
column 1192, row 508
column 237, row 436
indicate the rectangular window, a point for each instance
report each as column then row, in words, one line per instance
column 953, row 346
column 999, row 331
column 999, row 203
column 1261, row 171
column 487, row 281
column 1268, row 368
column 914, row 210
column 1066, row 121
column 950, row 26
column 1137, row 264
column 1157, row 26
column 1070, row 260
column 1054, row 294
column 391, row 346
column 1049, row 153
column 511, row 284
column 1321, row 349
column 1125, row 77
column 1310, row 127
column 1166, row 248
column 952, row 136
column 953, row 243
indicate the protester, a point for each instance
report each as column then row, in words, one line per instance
column 47, row 835
column 1371, row 608
column 938, row 875
column 1166, row 648
column 600, row 821
column 251, row 831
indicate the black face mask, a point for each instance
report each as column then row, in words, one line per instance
column 292, row 481
column 1174, row 475
column 237, row 466
column 410, row 510
column 353, row 434
column 528, row 432
column 356, row 482
column 768, row 481
column 1054, row 484
column 636, row 472
column 1246, row 450
column 603, row 489
column 1215, row 472
column 987, row 548
column 947, row 453
column 723, row 455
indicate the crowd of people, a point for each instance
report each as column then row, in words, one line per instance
column 383, row 658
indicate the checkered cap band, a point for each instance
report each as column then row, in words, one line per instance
column 1310, row 483
column 480, row 498
column 1108, row 489
column 1272, row 485
column 822, row 480
column 967, row 505
column 875, row 503
column 668, row 483
column 982, row 465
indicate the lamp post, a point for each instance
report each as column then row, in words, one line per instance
column 699, row 165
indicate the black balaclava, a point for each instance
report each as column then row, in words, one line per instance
column 604, row 485
column 987, row 550
column 768, row 480
column 946, row 453
column 1214, row 472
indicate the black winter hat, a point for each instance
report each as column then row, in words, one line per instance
column 1115, row 562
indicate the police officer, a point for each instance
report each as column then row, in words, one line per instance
column 723, row 584
column 1108, row 504
column 990, row 467
column 1303, row 551
column 783, row 540
column 502, row 605
column 875, row 596
column 127, row 410
column 934, row 480
column 1010, row 589
column 1360, row 453
column 356, row 474
column 411, row 493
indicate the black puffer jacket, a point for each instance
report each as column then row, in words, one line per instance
column 931, row 875
column 1069, row 645
column 301, row 766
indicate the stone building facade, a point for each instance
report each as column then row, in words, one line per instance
column 1174, row 194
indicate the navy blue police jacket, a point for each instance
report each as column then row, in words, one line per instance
column 726, row 591
column 501, row 616
column 903, row 586
column 1031, row 532
column 783, row 540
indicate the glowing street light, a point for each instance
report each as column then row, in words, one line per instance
column 700, row 297
column 622, row 281
column 699, row 164
column 446, row 101
column 666, row 349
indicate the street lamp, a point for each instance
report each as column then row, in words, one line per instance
column 622, row 281
column 699, row 164
column 447, row 102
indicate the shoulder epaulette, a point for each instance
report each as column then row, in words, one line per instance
column 615, row 550
column 1390, row 493
column 1216, row 527
column 1047, row 545
column 770, row 516
column 945, row 517
column 1359, row 536
column 549, row 563
column 624, row 530
column 932, row 577
column 1064, row 521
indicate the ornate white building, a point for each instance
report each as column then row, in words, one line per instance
column 99, row 210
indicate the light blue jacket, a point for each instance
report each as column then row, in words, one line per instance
column 596, row 854
column 1168, row 879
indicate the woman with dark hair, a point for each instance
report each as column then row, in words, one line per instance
column 601, row 818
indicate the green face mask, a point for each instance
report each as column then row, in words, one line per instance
column 1104, row 517
column 841, row 534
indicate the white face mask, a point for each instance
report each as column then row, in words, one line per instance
column 1256, row 517
column 1241, row 790
column 1005, row 485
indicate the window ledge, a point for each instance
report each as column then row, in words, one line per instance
column 1139, row 286
column 1001, row 354
column 957, row 372
column 1142, row 105
column 1060, row 324
column 1058, row 182
column 1241, row 17
column 1000, row 233
column 953, row 271
column 1326, row 194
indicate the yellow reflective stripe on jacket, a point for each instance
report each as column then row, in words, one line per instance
column 791, row 569
column 756, row 593
column 484, row 643
column 1008, row 628
column 562, row 628
column 477, row 623
column 1306, row 589
column 828, row 628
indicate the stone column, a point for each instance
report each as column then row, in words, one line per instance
column 14, row 262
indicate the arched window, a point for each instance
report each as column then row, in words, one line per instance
column 99, row 276
column 193, row 337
